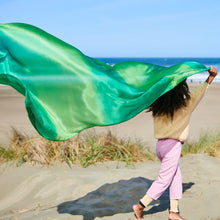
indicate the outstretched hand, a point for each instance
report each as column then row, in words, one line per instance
column 213, row 71
column 212, row 74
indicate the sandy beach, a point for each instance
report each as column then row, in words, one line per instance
column 204, row 119
column 107, row 190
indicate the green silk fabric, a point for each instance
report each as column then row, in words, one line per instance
column 66, row 91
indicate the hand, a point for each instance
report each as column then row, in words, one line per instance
column 213, row 71
column 212, row 74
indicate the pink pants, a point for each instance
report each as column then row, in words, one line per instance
column 168, row 151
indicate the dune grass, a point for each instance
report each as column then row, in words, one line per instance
column 88, row 148
column 208, row 144
column 85, row 149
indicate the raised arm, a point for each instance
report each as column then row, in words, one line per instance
column 199, row 93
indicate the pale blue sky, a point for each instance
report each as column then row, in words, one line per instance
column 125, row 28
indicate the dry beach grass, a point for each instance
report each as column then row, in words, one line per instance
column 208, row 144
column 85, row 149
column 90, row 148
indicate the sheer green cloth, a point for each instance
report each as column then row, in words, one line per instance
column 66, row 91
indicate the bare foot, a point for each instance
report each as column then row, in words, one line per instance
column 175, row 216
column 138, row 211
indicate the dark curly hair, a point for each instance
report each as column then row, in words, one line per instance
column 171, row 101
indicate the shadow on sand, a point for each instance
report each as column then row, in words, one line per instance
column 114, row 198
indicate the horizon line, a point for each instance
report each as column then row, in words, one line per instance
column 152, row 57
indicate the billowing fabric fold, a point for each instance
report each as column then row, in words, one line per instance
column 66, row 91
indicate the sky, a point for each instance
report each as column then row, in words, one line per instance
column 125, row 28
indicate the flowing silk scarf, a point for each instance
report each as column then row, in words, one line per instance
column 66, row 91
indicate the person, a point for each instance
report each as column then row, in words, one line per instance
column 171, row 114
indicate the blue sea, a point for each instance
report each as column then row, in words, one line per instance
column 172, row 61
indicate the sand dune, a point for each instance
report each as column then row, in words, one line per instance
column 105, row 190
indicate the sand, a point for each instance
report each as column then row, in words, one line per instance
column 107, row 190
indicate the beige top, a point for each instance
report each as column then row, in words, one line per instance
column 178, row 128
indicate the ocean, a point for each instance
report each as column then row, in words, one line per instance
column 201, row 77
column 169, row 62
